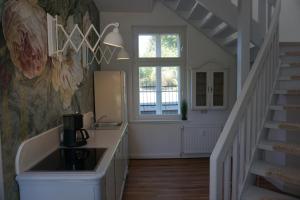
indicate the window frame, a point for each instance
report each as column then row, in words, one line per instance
column 158, row 62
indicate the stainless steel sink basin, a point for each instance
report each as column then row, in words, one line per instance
column 108, row 125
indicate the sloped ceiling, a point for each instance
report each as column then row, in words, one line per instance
column 124, row 5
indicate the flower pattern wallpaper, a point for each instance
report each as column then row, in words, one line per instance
column 35, row 89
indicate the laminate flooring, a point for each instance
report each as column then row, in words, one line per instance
column 168, row 179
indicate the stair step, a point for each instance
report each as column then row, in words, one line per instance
column 289, row 78
column 287, row 92
column 290, row 53
column 171, row 3
column 219, row 29
column 283, row 125
column 292, row 149
column 286, row 174
column 292, row 64
column 256, row 193
column 185, row 5
column 285, row 107
column 289, row 44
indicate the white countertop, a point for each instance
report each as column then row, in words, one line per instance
column 98, row 139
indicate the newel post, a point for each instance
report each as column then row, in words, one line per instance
column 243, row 48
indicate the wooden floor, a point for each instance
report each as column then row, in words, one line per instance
column 168, row 179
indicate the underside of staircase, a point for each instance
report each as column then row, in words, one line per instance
column 220, row 29
column 277, row 157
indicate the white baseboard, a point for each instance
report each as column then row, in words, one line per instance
column 153, row 156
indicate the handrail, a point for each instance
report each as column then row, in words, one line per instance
column 237, row 142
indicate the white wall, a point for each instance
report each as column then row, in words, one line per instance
column 156, row 138
column 289, row 21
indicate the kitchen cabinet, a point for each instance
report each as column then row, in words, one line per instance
column 110, row 183
column 208, row 89
column 121, row 165
column 115, row 176
column 106, row 182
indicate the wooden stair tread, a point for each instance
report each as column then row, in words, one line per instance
column 287, row 92
column 289, row 78
column 256, row 193
column 291, row 53
column 292, row 149
column 289, row 44
column 285, row 107
column 285, row 174
column 290, row 64
column 283, row 125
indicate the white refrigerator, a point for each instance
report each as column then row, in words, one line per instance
column 110, row 96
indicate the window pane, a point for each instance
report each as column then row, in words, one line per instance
column 170, row 45
column 169, row 90
column 201, row 88
column 147, row 90
column 218, row 89
column 159, row 46
column 147, row 46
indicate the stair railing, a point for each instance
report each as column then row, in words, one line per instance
column 231, row 158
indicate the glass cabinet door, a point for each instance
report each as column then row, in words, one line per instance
column 201, row 89
column 218, row 89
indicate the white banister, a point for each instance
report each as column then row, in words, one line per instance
column 231, row 158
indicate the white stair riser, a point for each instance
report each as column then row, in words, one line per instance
column 289, row 71
column 289, row 49
column 288, row 85
column 287, row 59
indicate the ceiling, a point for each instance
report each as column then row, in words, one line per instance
column 124, row 5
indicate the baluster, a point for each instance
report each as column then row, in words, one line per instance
column 242, row 130
column 248, row 131
column 269, row 73
column 272, row 62
column 267, row 76
column 260, row 97
column 254, row 124
column 227, row 177
column 235, row 167
column 258, row 119
column 265, row 85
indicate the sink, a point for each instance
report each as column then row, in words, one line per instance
column 108, row 125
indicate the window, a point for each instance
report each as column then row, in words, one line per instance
column 159, row 63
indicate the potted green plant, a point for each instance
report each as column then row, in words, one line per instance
column 184, row 108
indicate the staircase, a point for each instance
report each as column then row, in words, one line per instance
column 214, row 23
column 260, row 139
column 280, row 138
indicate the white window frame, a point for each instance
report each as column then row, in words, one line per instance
column 158, row 62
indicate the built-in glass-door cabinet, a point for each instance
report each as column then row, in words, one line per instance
column 208, row 89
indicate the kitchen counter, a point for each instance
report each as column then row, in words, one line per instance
column 108, row 139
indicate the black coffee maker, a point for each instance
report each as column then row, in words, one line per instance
column 74, row 134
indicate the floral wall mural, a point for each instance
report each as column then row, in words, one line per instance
column 35, row 90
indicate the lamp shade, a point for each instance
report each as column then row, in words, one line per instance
column 114, row 38
column 123, row 55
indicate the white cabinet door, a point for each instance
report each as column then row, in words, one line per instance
column 208, row 89
column 126, row 156
column 118, row 171
column 200, row 89
column 110, row 183
column 218, row 89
